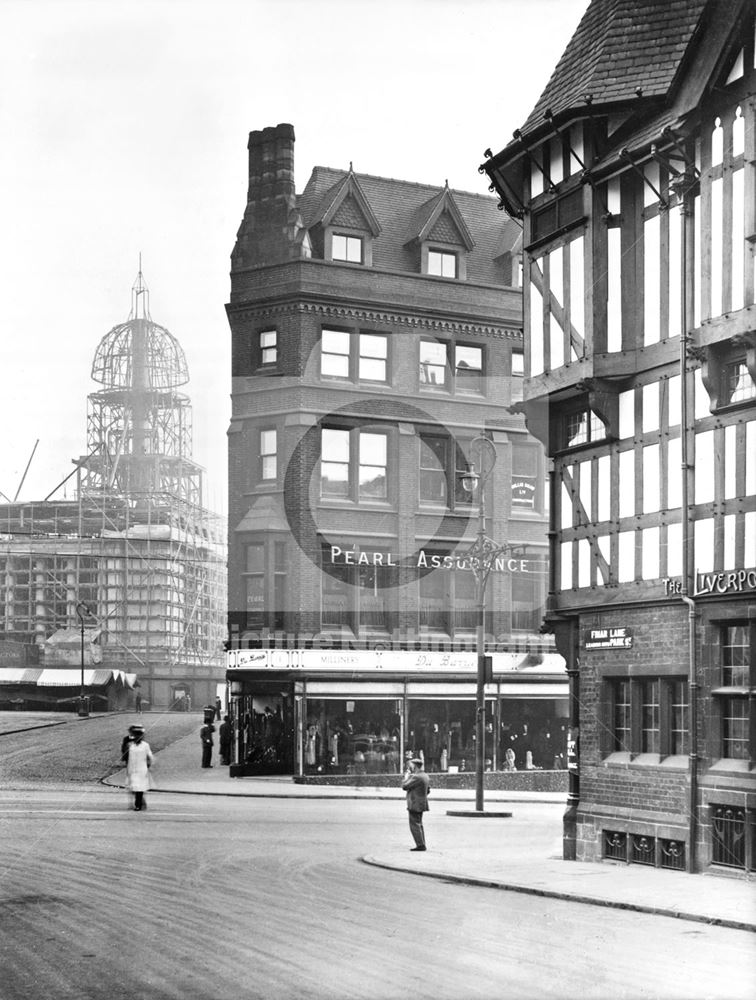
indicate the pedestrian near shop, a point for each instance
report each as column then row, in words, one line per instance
column 417, row 786
column 224, row 740
column 206, row 737
column 139, row 761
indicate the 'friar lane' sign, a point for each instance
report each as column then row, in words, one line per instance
column 609, row 638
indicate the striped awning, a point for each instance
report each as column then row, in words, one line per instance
column 65, row 677
column 61, row 677
column 20, row 675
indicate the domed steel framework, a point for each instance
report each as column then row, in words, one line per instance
column 139, row 426
column 136, row 547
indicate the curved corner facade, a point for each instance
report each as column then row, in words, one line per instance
column 376, row 331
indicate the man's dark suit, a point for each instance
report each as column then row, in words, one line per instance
column 417, row 787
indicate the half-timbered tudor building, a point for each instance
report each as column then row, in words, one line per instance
column 376, row 331
column 634, row 178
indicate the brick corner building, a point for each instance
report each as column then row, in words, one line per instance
column 376, row 331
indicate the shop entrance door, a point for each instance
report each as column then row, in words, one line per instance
column 267, row 730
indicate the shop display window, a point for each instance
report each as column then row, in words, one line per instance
column 442, row 733
column 352, row 737
column 535, row 734
column 265, row 731
column 519, row 736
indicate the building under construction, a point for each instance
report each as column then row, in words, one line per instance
column 130, row 575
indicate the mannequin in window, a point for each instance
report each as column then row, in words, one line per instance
column 433, row 748
column 311, row 745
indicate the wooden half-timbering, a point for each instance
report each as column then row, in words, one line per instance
column 662, row 244
column 643, row 390
column 619, row 511
column 725, row 263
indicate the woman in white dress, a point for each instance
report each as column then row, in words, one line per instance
column 138, row 766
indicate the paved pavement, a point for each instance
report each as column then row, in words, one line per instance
column 473, row 859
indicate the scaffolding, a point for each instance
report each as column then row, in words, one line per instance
column 136, row 545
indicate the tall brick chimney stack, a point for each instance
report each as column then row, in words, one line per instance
column 270, row 228
column 271, row 163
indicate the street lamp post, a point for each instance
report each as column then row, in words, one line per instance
column 82, row 610
column 481, row 555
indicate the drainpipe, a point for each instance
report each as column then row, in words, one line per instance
column 693, row 757
column 685, row 595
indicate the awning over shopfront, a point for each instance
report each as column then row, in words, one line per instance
column 533, row 690
column 355, row 690
column 40, row 677
column 430, row 689
column 19, row 675
column 536, row 663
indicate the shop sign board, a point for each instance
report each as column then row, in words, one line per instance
column 391, row 661
column 252, row 659
column 735, row 581
column 719, row 582
column 431, row 560
column 387, row 660
column 351, row 660
column 609, row 638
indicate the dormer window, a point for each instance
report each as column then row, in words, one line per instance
column 347, row 248
column 441, row 238
column 442, row 263
column 347, row 228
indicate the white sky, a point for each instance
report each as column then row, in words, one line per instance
column 123, row 130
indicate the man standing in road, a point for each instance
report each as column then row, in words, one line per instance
column 417, row 786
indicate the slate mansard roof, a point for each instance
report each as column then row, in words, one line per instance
column 399, row 213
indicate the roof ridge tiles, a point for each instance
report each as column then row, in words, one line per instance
column 437, row 188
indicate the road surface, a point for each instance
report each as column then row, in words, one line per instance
column 239, row 899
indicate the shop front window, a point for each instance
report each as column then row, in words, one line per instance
column 532, row 734
column 266, row 731
column 621, row 728
column 352, row 737
column 443, row 734
column 650, row 722
column 738, row 670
